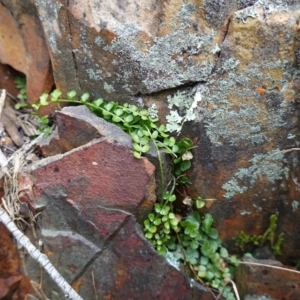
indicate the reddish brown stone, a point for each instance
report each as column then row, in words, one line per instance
column 8, row 286
column 12, row 282
column 7, row 79
column 102, row 173
column 77, row 126
column 129, row 268
column 264, row 280
column 22, row 46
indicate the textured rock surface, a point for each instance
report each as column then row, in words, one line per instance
column 90, row 199
column 13, row 284
column 231, row 67
column 137, row 47
column 267, row 282
column 102, row 173
column 249, row 111
column 77, row 126
column 241, row 59
column 23, row 47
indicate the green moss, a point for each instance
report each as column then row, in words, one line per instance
column 242, row 239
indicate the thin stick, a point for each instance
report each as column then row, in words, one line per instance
column 228, row 280
column 269, row 266
column 94, row 285
column 40, row 257
column 2, row 100
column 285, row 151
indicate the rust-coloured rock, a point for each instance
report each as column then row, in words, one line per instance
column 102, row 173
column 23, row 47
column 137, row 47
column 7, row 79
column 91, row 199
column 13, row 284
column 129, row 269
column 267, row 281
column 247, row 114
column 77, row 126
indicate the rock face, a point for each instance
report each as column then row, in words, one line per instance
column 243, row 95
column 135, row 48
column 13, row 283
column 229, row 67
column 91, row 199
column 259, row 281
column 247, row 114
column 23, row 47
column 77, row 126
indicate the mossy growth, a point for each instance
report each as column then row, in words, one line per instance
column 242, row 239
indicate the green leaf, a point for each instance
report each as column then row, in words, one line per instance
column 144, row 140
column 165, row 218
column 223, row 252
column 207, row 223
column 171, row 141
column 147, row 223
column 85, row 97
column 213, row 233
column 154, row 134
column 174, row 222
column 116, row 119
column 185, row 165
column 143, row 112
column 185, row 144
column 184, row 180
column 157, row 207
column 165, row 210
column 152, row 229
column 43, row 120
column 137, row 147
column 106, row 114
column 135, row 137
column 43, row 99
column 129, row 118
column 203, row 260
column 145, row 148
column 202, row 272
column 149, row 235
column 118, row 112
column 172, row 198
column 151, row 217
column 140, row 133
column 171, row 216
column 71, row 95
column 194, row 218
column 194, row 245
column 175, row 148
column 20, row 105
column 136, row 154
column 108, row 106
column 157, row 222
column 55, row 94
column 200, row 203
